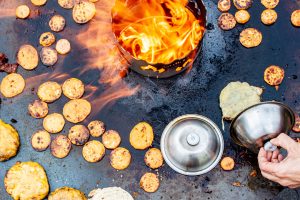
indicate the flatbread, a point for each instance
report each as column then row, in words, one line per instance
column 110, row 193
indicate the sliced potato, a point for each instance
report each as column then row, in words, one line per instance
column 38, row 2
column 63, row 46
column 57, row 23
column 28, row 57
column 49, row 91
column 73, row 88
column 22, row 11
column 250, row 37
column 66, row 193
column 40, row 140
column 269, row 3
column 296, row 127
column 79, row 135
column 67, row 4
column 141, row 136
column 12, row 85
column 295, row 18
column 242, row 4
column 111, row 139
column 120, row 158
column 83, row 11
column 268, row 16
column 274, row 75
column 9, row 141
column 54, row 123
column 226, row 21
column 224, row 5
column 61, row 146
column 242, row 16
column 153, row 158
column 149, row 182
column 93, row 151
column 47, row 39
column 48, row 56
column 77, row 110
column 97, row 128
column 38, row 109
column 227, row 163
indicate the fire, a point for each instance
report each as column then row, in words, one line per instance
column 156, row 31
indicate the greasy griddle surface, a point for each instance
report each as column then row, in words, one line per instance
column 222, row 60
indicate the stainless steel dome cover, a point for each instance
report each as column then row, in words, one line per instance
column 192, row 144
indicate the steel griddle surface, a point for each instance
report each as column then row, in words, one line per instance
column 222, row 60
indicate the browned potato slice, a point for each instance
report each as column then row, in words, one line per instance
column 97, row 128
column 227, row 163
column 111, row 139
column 77, row 110
column 295, row 18
column 49, row 91
column 83, row 11
column 268, row 16
column 66, row 193
column 242, row 4
column 63, row 46
column 57, row 23
column 79, row 135
column 12, row 85
column 269, row 3
column 250, row 37
column 226, row 21
column 22, row 11
column 9, row 141
column 120, row 158
column 73, row 88
column 40, row 140
column 274, row 75
column 67, row 4
column 28, row 57
column 47, row 39
column 149, row 182
column 54, row 123
column 38, row 109
column 61, row 146
column 48, row 56
column 38, row 2
column 141, row 136
column 296, row 127
column 153, row 158
column 93, row 151
column 224, row 5
column 242, row 16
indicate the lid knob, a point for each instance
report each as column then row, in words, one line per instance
column 192, row 139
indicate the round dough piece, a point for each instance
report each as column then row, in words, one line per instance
column 40, row 140
column 61, row 146
column 295, row 18
column 57, row 23
column 38, row 109
column 110, row 193
column 48, row 56
column 226, row 21
column 141, row 136
column 49, row 91
column 22, row 11
column 120, row 158
column 12, row 85
column 97, row 128
column 47, row 39
column 79, row 135
column 242, row 4
column 38, row 2
column 67, row 4
column 63, row 46
column 250, row 37
column 28, row 57
column 153, row 158
column 149, row 182
column 268, row 16
column 270, row 3
column 77, row 110
column 26, row 180
column 111, row 139
column 93, row 151
column 224, row 5
column 9, row 141
column 83, row 11
column 274, row 75
column 242, row 16
column 54, row 123
column 66, row 193
column 73, row 88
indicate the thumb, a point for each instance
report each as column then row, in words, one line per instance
column 284, row 141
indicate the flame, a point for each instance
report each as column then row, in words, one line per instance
column 156, row 31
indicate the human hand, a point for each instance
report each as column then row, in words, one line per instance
column 285, row 171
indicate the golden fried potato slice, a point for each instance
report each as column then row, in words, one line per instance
column 295, row 18
column 61, row 146
column 296, row 127
column 242, row 4
column 63, row 46
column 48, row 56
column 250, row 37
column 38, row 2
column 26, row 180
column 224, row 5
column 270, row 3
column 94, row 1
column 40, row 140
column 153, row 158
column 111, row 139
column 54, row 123
column 49, row 91
column 97, row 128
column 66, row 193
column 12, row 85
column 38, row 109
column 93, row 151
column 28, row 57
column 9, row 141
column 67, row 4
column 73, row 88
column 149, row 182
column 83, row 11
column 226, row 21
column 227, row 163
column 22, row 11
column 57, row 23
column 77, row 110
column 120, row 158
column 47, row 39
column 242, row 16
column 268, row 16
column 141, row 136
column 274, row 75
column 79, row 135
